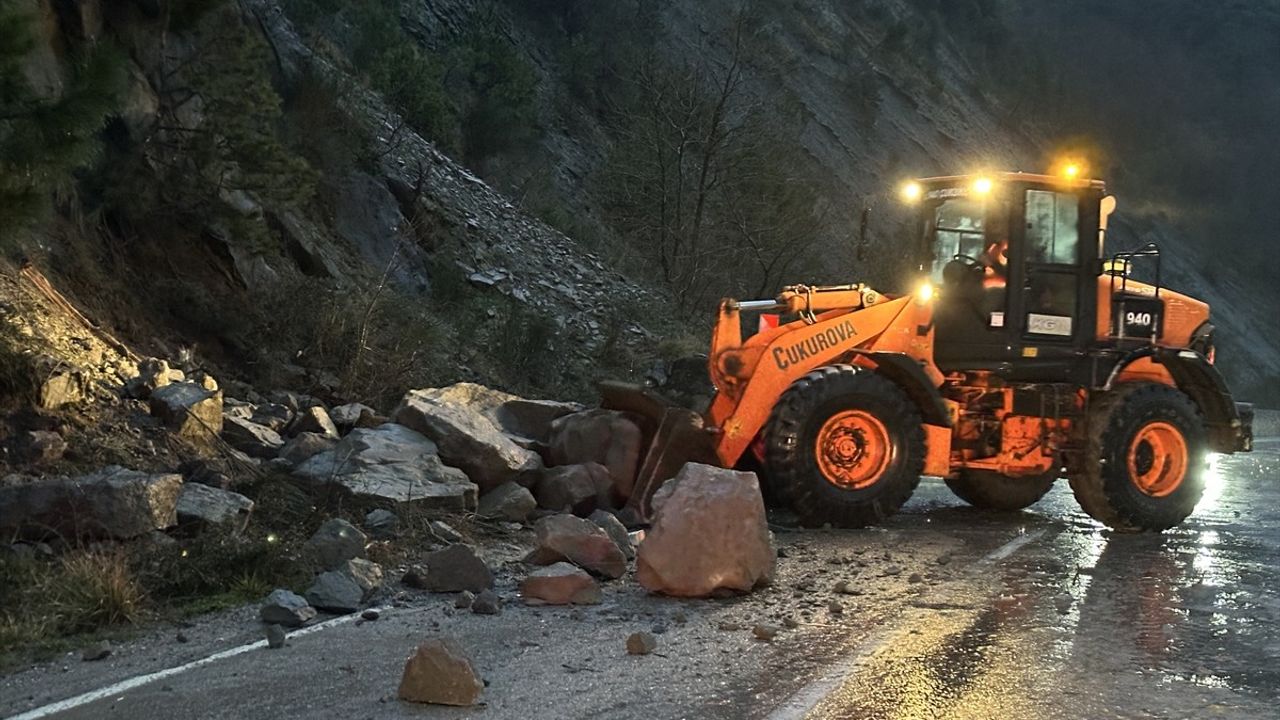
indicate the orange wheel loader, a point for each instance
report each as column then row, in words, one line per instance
column 1024, row 355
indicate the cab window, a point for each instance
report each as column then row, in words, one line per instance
column 958, row 230
column 1052, row 227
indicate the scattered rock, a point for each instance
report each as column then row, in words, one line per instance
column 944, row 558
column 721, row 513
column 790, row 623
column 440, row 673
column 728, row 626
column 444, row 532
column 508, row 501
column 616, row 531
column 286, row 608
column 579, row 541
column 893, row 570
column 847, row 587
column 111, row 503
column 96, row 651
column 39, row 447
column 835, row 607
column 271, row 415
column 211, row 506
column 382, row 524
column 254, row 440
column 486, row 603
column 606, row 437
column 304, row 446
column 561, row 584
column 344, row 590
column 336, row 542
column 455, row 568
column 275, row 636
column 1062, row 602
column 915, row 578
column 578, row 489
column 190, row 411
column 153, row 373
column 392, row 462
column 354, row 415
column 313, row 420
column 765, row 632
column 370, row 615
column 466, row 439
column 641, row 643
column 464, row 600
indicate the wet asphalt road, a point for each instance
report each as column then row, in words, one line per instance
column 958, row 614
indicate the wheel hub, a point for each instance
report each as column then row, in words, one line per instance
column 1158, row 459
column 853, row 449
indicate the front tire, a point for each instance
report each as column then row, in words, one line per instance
column 993, row 491
column 845, row 447
column 1143, row 464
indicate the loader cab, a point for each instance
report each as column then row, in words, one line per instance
column 1014, row 258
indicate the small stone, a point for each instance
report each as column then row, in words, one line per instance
column 275, row 636
column 765, row 632
column 487, row 603
column 561, row 584
column 182, row 637
column 444, row 532
column 370, row 615
column 286, row 608
column 680, row 617
column 96, row 651
column 915, row 578
column 464, row 599
column 1063, row 602
column 944, row 558
column 893, row 570
column 728, row 626
column 641, row 643
column 790, row 623
column 835, row 607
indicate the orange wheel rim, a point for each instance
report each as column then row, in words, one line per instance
column 1158, row 459
column 853, row 449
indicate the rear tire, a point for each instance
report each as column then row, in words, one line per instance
column 844, row 446
column 993, row 491
column 1143, row 464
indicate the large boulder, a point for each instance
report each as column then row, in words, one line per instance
column 250, row 438
column 214, row 507
column 527, row 422
column 578, row 489
column 466, row 439
column 189, row 410
column 709, row 534
column 454, row 569
column 508, row 501
column 112, row 503
column 440, row 673
column 607, row 437
column 313, row 420
column 335, row 542
column 581, row 542
column 392, row 462
column 560, row 584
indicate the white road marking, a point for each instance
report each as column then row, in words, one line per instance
column 140, row 680
column 808, row 697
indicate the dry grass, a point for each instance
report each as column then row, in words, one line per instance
column 95, row 590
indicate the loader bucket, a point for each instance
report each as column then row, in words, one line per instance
column 671, row 436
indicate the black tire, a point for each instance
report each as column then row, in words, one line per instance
column 993, row 491
column 1103, row 481
column 791, row 453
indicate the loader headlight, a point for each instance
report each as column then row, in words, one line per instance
column 911, row 192
column 924, row 292
column 982, row 186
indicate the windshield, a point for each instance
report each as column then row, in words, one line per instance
column 957, row 226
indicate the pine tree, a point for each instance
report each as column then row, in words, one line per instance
column 44, row 141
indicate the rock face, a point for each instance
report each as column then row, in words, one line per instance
column 581, row 542
column 285, row 608
column 440, row 673
column 508, row 501
column 466, row 439
column 561, row 584
column 251, row 438
column 214, row 507
column 721, row 514
column 188, row 410
column 336, row 542
column 392, row 462
column 578, row 489
column 111, row 503
column 454, row 569
column 607, row 437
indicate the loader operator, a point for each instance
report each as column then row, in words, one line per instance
column 995, row 260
